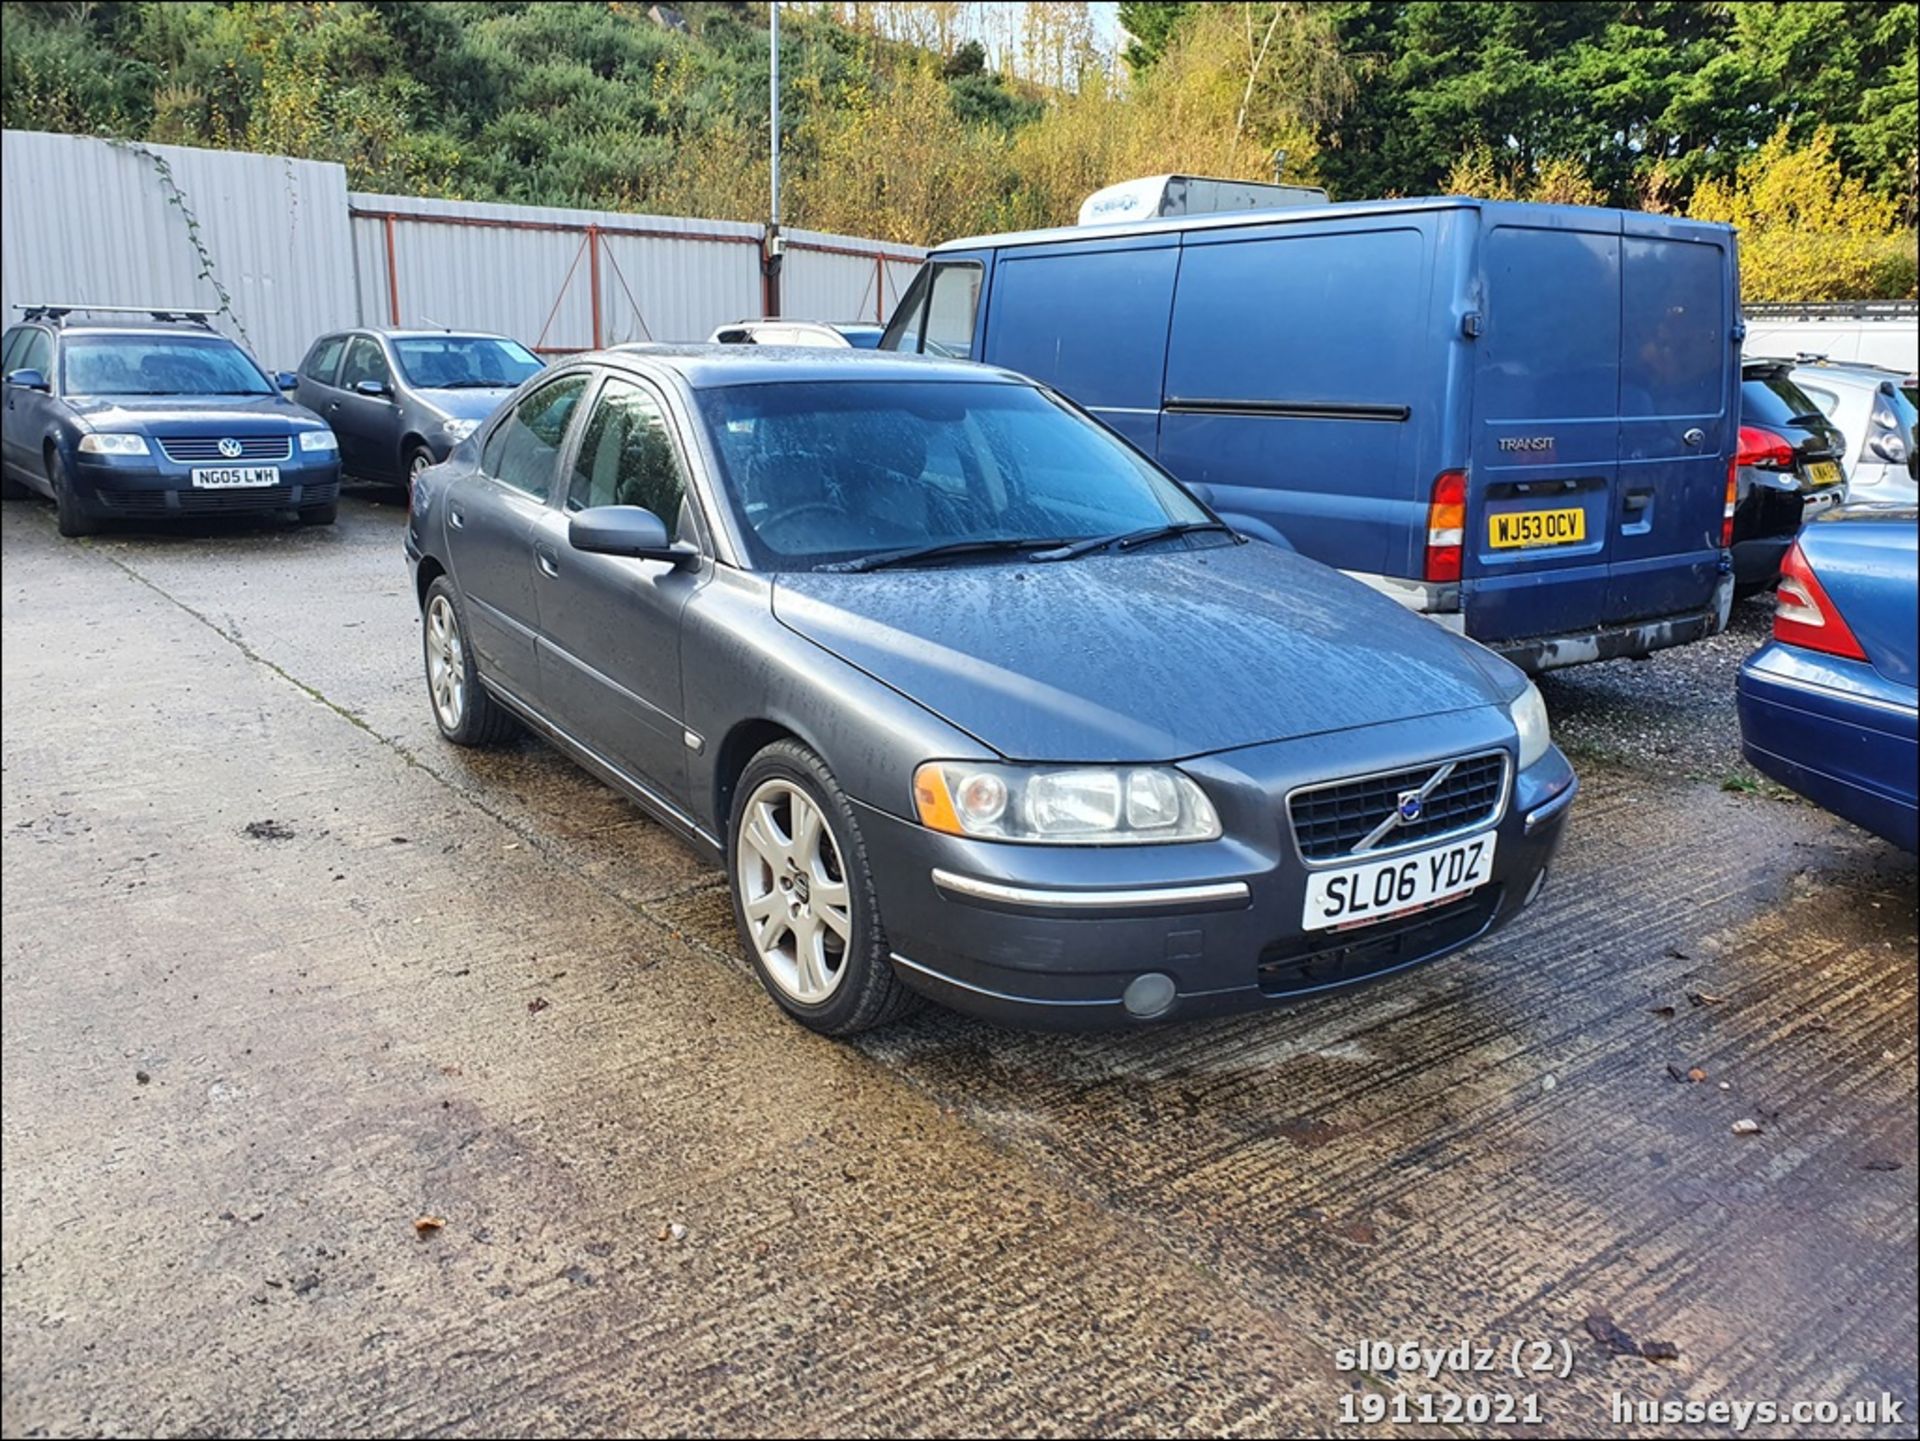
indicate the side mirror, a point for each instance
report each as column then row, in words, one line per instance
column 375, row 388
column 1203, row 493
column 286, row 380
column 629, row 530
column 28, row 380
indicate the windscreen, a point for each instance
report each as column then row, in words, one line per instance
column 464, row 362
column 820, row 473
column 158, row 365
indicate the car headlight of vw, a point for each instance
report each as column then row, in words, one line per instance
column 318, row 440
column 458, row 430
column 1063, row 805
column 103, row 444
column 1529, row 714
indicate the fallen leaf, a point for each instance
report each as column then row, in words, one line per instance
column 1663, row 1011
column 1703, row 998
column 1659, row 1350
column 537, row 1005
column 1600, row 1326
column 1879, row 1163
column 424, row 1224
column 672, row 1231
column 1746, row 1128
column 1696, row 1075
column 1676, row 1072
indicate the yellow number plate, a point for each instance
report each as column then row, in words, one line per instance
column 1823, row 472
column 1536, row 527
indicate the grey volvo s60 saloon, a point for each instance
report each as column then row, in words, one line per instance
column 969, row 698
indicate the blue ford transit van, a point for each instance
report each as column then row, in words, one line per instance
column 1516, row 418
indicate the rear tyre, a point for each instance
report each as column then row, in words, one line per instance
column 320, row 514
column 465, row 711
column 74, row 515
column 803, row 896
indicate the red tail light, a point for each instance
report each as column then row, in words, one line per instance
column 1803, row 615
column 1763, row 447
column 1446, row 525
column 1733, row 501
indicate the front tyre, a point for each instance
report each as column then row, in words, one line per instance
column 74, row 516
column 803, row 896
column 466, row 714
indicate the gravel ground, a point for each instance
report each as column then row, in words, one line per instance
column 1672, row 712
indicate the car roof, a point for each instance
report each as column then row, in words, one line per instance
column 704, row 366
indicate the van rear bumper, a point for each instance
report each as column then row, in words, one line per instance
column 1550, row 652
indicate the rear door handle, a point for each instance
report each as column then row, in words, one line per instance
column 456, row 517
column 547, row 558
column 1638, row 500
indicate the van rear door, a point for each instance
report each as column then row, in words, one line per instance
column 1542, row 464
column 1679, row 383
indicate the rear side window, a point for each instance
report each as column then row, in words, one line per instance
column 1093, row 325
column 628, row 456
column 524, row 448
column 324, row 359
column 364, row 362
column 1773, row 399
column 1825, row 399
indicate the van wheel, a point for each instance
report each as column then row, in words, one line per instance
column 74, row 516
column 463, row 709
column 803, row 896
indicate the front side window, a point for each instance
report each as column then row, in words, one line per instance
column 37, row 353
column 156, row 365
column 364, row 362
column 821, row 473
column 464, row 362
column 524, row 448
column 950, row 311
column 903, row 331
column 324, row 359
column 14, row 340
column 628, row 456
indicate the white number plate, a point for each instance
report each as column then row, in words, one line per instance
column 1374, row 890
column 226, row 477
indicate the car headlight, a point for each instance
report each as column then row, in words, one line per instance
column 99, row 444
column 1529, row 714
column 318, row 440
column 458, row 430
column 1063, row 805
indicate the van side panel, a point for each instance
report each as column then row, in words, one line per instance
column 1679, row 379
column 1301, row 381
column 1546, row 422
column 1092, row 323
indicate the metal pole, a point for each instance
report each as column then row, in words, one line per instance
column 773, row 105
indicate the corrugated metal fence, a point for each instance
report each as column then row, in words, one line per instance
column 288, row 253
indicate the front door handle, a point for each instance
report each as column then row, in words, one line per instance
column 547, row 558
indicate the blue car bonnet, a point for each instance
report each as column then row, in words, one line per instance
column 1151, row 656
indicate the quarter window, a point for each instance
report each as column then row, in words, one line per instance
column 628, row 457
column 325, row 359
column 524, row 447
column 364, row 362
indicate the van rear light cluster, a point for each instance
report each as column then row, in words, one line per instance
column 1446, row 525
column 1733, row 502
column 1804, row 615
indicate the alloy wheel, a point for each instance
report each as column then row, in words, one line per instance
column 446, row 663
column 793, row 891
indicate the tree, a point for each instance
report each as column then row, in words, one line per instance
column 1150, row 27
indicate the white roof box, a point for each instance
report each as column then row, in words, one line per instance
column 1154, row 196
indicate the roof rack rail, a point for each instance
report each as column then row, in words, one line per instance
column 1831, row 309
column 57, row 313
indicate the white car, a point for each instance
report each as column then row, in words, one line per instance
column 1876, row 415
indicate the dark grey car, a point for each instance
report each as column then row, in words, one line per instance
column 970, row 698
column 400, row 400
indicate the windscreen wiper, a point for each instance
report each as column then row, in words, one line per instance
column 1128, row 539
column 941, row 552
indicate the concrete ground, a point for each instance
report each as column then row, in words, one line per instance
column 283, row 973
